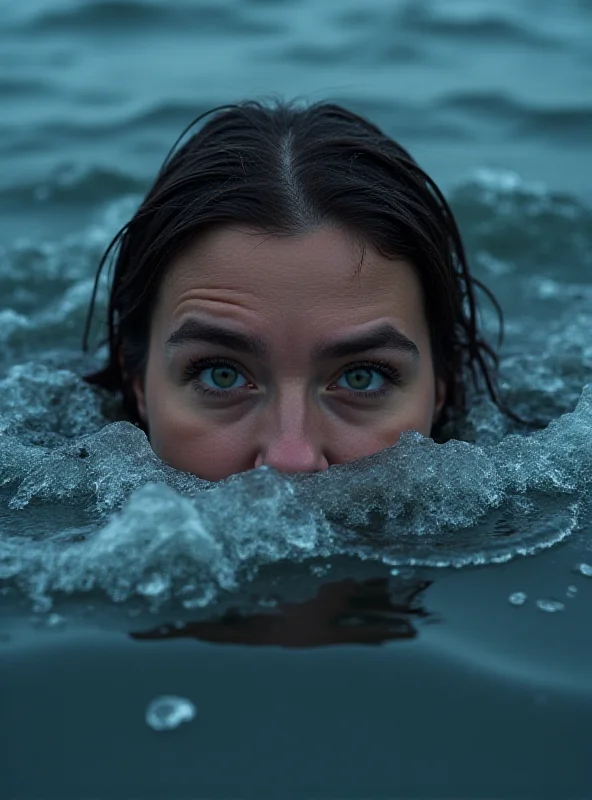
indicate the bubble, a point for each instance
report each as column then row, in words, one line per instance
column 320, row 570
column 585, row 569
column 167, row 712
column 517, row 598
column 550, row 606
column 154, row 587
column 55, row 621
column 571, row 591
column 102, row 513
column 268, row 602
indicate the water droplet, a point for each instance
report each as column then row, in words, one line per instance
column 585, row 569
column 193, row 602
column 571, row 591
column 320, row 570
column 517, row 598
column 268, row 602
column 55, row 621
column 550, row 605
column 167, row 712
column 395, row 571
column 153, row 587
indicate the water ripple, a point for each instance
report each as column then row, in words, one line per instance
column 487, row 29
column 115, row 17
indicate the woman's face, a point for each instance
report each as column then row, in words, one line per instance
column 280, row 351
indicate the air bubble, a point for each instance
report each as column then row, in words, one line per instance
column 55, row 621
column 517, row 598
column 571, row 591
column 551, row 606
column 585, row 569
column 268, row 602
column 320, row 570
column 167, row 712
column 153, row 587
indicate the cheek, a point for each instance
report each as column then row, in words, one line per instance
column 199, row 443
column 190, row 444
column 187, row 440
column 413, row 411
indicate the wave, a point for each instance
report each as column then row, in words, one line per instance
column 71, row 183
column 524, row 225
column 146, row 530
column 86, row 504
column 117, row 17
column 557, row 123
column 483, row 29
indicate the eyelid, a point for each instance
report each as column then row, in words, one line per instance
column 391, row 374
column 385, row 368
column 196, row 365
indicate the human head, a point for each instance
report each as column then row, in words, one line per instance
column 314, row 190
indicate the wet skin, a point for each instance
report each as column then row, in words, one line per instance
column 282, row 351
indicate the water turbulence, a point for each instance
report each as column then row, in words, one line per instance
column 85, row 505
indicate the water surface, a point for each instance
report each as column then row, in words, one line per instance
column 346, row 634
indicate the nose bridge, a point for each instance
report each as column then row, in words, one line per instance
column 291, row 436
column 292, row 409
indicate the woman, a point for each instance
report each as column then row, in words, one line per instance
column 292, row 292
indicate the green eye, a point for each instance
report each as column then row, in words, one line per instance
column 222, row 377
column 362, row 379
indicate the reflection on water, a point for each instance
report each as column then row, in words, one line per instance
column 492, row 97
column 345, row 612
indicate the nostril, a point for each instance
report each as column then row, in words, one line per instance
column 293, row 462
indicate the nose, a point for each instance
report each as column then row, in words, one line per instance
column 292, row 457
column 290, row 442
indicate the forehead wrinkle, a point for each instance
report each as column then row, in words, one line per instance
column 224, row 302
column 308, row 290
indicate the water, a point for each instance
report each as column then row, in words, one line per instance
column 167, row 713
column 105, row 553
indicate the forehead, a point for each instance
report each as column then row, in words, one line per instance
column 318, row 279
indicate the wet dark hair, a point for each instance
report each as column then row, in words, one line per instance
column 288, row 169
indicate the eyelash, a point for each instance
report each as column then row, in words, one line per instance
column 196, row 366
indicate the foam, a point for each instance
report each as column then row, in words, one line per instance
column 85, row 504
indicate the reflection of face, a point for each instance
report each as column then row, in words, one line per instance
column 278, row 350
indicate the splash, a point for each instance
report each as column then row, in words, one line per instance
column 155, row 533
column 85, row 505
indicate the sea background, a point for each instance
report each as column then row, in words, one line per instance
column 469, row 694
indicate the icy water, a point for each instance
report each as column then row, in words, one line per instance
column 416, row 624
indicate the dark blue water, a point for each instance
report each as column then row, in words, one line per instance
column 414, row 625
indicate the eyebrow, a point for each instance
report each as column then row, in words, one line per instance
column 194, row 330
column 384, row 337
